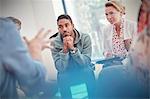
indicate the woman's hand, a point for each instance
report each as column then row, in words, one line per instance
column 108, row 54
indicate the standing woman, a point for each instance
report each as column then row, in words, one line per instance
column 119, row 33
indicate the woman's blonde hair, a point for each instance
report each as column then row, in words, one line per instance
column 117, row 5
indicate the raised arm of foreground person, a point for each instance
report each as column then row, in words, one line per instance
column 16, row 63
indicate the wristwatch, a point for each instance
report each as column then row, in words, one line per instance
column 73, row 51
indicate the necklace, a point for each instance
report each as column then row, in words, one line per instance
column 118, row 41
column 121, row 32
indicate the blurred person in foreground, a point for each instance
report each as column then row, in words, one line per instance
column 131, row 80
column 16, row 21
column 17, row 65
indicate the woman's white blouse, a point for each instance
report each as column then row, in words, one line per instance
column 130, row 29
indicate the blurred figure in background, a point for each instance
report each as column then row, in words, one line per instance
column 140, row 49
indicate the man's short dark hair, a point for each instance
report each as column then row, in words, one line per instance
column 64, row 16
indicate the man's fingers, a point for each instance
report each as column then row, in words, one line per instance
column 42, row 34
column 46, row 33
column 48, row 46
column 39, row 34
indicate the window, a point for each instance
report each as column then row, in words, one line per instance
column 88, row 17
column 58, row 7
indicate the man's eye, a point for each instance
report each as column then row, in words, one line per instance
column 111, row 13
column 60, row 27
column 66, row 25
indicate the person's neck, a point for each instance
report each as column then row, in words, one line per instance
column 118, row 27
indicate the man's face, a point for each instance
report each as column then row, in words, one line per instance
column 112, row 15
column 65, row 27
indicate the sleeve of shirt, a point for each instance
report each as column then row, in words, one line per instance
column 84, row 57
column 130, row 29
column 61, row 59
column 15, row 58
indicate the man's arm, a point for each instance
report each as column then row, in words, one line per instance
column 60, row 59
column 61, row 55
column 84, row 57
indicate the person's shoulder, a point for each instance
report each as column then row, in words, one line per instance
column 112, row 71
column 84, row 34
column 56, row 41
column 130, row 22
column 114, row 68
column 85, row 37
column 107, row 28
column 57, row 38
